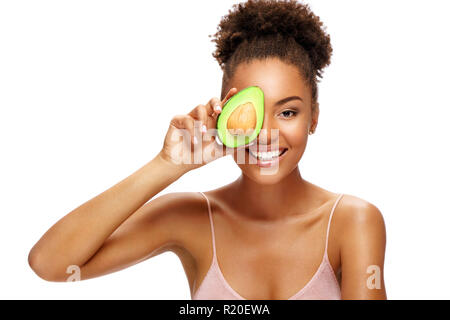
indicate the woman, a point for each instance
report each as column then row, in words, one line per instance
column 263, row 236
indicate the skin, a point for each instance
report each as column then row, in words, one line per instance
column 284, row 230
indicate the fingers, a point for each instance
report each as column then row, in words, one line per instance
column 200, row 114
column 185, row 122
column 203, row 117
column 208, row 113
column 230, row 93
column 214, row 106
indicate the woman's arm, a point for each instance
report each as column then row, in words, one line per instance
column 78, row 236
column 363, row 244
column 115, row 229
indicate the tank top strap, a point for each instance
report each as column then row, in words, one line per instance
column 211, row 224
column 329, row 223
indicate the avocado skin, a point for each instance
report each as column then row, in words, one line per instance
column 253, row 94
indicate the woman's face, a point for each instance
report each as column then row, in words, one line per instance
column 286, row 121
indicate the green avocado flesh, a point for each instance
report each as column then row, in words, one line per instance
column 247, row 120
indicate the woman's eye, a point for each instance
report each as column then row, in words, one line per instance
column 288, row 113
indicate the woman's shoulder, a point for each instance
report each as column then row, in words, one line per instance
column 356, row 219
column 354, row 209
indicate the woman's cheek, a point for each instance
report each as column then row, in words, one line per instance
column 294, row 134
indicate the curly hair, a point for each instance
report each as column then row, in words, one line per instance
column 268, row 28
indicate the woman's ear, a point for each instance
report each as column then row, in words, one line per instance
column 314, row 117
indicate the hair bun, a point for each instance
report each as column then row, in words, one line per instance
column 258, row 18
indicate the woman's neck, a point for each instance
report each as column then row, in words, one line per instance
column 270, row 202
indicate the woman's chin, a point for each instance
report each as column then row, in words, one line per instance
column 263, row 175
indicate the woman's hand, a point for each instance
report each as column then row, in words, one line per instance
column 190, row 141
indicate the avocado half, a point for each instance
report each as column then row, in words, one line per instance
column 241, row 118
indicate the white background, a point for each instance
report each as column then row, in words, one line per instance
column 87, row 90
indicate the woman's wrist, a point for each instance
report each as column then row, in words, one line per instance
column 167, row 166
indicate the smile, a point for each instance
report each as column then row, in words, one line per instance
column 265, row 156
column 267, row 159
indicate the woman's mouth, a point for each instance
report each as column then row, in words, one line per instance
column 269, row 158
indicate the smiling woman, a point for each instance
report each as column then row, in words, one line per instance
column 270, row 234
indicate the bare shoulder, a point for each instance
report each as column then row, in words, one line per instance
column 353, row 210
column 359, row 225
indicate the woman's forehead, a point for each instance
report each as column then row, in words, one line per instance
column 277, row 79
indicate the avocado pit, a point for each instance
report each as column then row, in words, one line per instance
column 242, row 120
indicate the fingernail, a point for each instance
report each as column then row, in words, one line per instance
column 217, row 108
column 203, row 128
column 195, row 140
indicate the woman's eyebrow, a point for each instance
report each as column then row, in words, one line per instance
column 287, row 99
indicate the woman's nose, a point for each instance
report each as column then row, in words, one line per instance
column 269, row 133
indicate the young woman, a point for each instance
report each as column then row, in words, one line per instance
column 263, row 236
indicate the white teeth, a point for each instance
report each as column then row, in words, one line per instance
column 266, row 155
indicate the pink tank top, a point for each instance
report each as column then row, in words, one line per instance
column 322, row 286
